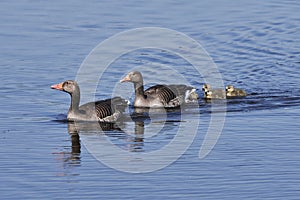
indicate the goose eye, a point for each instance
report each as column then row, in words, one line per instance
column 66, row 84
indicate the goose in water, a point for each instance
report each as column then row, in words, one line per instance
column 108, row 110
column 167, row 96
column 234, row 92
column 213, row 93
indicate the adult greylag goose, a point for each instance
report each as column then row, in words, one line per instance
column 234, row 92
column 108, row 110
column 213, row 93
column 167, row 96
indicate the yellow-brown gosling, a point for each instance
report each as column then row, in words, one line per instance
column 234, row 92
column 213, row 93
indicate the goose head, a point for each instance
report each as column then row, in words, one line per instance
column 134, row 77
column 206, row 87
column 229, row 88
column 208, row 94
column 68, row 86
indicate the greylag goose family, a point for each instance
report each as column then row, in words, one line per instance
column 157, row 96
column 229, row 92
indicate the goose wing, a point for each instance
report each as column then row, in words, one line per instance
column 110, row 107
column 164, row 94
column 108, row 110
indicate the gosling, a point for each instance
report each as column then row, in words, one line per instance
column 232, row 92
column 213, row 93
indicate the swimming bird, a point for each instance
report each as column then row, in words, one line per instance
column 108, row 110
column 234, row 92
column 213, row 93
column 167, row 96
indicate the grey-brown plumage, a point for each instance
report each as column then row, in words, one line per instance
column 232, row 92
column 213, row 93
column 108, row 110
column 167, row 96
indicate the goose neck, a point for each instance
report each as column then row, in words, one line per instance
column 75, row 99
column 139, row 89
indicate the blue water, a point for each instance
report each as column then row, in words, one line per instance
column 255, row 45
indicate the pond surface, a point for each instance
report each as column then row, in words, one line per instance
column 255, row 46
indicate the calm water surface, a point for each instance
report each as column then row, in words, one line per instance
column 255, row 46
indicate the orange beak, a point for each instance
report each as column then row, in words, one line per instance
column 126, row 79
column 57, row 86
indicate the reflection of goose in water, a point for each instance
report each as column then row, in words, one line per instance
column 70, row 158
column 114, row 131
column 136, row 142
column 108, row 110
column 94, row 126
column 75, row 140
column 74, row 129
column 213, row 93
column 157, row 113
column 168, row 96
column 234, row 92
